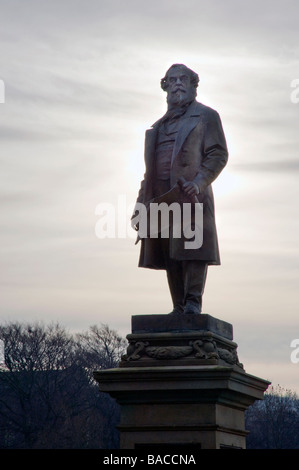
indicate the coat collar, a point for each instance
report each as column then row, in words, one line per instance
column 195, row 109
column 191, row 118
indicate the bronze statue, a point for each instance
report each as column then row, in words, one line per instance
column 187, row 145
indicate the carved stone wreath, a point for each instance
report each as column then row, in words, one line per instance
column 168, row 352
column 203, row 348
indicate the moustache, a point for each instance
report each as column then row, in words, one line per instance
column 179, row 89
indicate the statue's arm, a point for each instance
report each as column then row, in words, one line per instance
column 215, row 153
column 139, row 200
column 141, row 191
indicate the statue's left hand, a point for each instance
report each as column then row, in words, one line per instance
column 190, row 188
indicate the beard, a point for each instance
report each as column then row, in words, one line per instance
column 179, row 97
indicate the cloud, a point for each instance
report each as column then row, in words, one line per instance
column 82, row 86
column 287, row 166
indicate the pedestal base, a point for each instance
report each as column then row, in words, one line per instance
column 187, row 395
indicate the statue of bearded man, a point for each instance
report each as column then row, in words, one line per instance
column 186, row 145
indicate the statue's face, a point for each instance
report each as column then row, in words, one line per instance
column 179, row 89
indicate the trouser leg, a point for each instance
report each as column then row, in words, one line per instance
column 176, row 286
column 174, row 272
column 194, row 275
column 186, row 281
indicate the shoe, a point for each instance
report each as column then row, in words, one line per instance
column 192, row 309
column 177, row 311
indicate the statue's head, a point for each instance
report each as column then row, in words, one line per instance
column 180, row 84
column 182, row 70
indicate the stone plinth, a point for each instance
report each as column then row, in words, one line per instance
column 181, row 383
column 165, row 340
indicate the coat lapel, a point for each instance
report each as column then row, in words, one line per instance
column 150, row 144
column 191, row 119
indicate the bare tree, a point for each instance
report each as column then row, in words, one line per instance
column 273, row 423
column 101, row 345
column 48, row 397
column 35, row 359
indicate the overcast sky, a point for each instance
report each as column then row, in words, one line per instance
column 81, row 87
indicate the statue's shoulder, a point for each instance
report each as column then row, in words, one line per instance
column 204, row 110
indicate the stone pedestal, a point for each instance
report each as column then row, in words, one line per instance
column 181, row 383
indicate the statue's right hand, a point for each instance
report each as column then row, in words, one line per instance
column 134, row 225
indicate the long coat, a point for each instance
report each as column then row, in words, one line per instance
column 199, row 155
